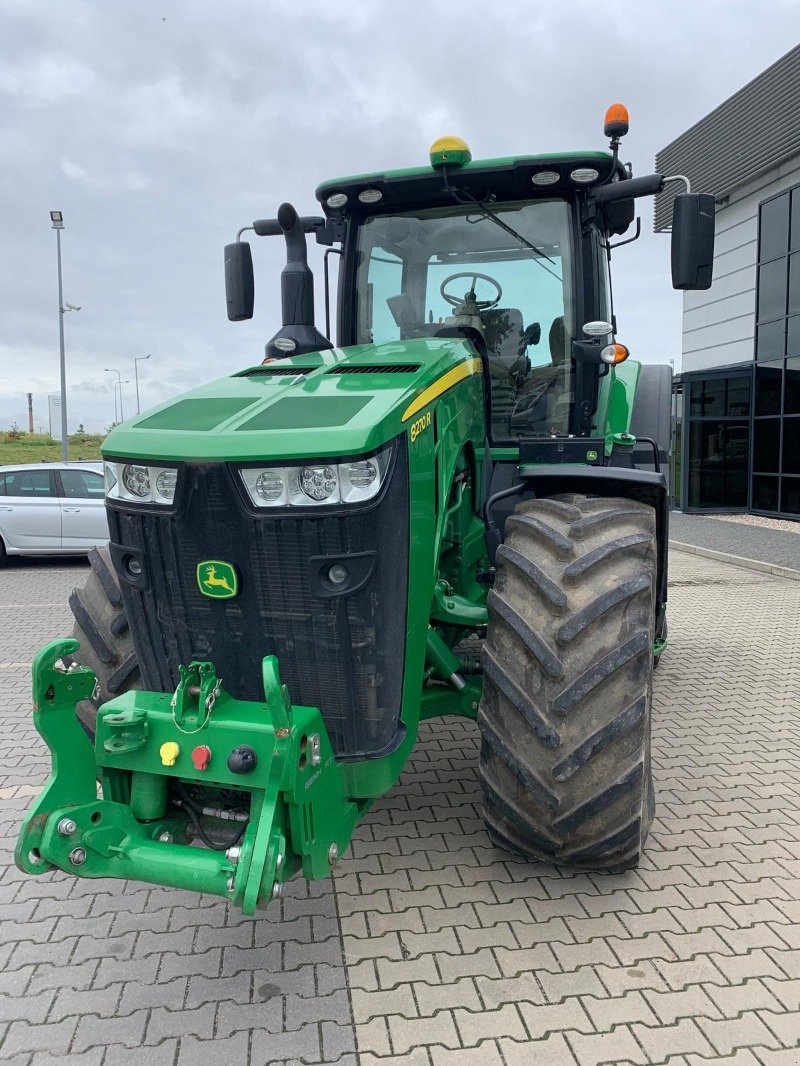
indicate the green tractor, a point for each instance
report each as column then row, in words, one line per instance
column 460, row 509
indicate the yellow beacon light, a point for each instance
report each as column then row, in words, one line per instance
column 450, row 151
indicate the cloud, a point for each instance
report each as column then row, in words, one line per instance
column 131, row 181
column 47, row 80
column 159, row 130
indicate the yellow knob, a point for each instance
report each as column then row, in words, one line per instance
column 169, row 753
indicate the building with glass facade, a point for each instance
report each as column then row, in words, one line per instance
column 740, row 424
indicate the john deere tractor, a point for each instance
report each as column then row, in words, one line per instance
column 461, row 508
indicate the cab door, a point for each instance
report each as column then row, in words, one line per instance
column 30, row 513
column 83, row 509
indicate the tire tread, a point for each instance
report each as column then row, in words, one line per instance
column 568, row 675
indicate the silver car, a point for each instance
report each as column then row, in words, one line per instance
column 52, row 509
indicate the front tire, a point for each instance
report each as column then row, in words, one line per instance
column 101, row 626
column 568, row 667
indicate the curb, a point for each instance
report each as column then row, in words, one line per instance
column 737, row 560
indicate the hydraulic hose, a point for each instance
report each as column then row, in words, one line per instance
column 193, row 810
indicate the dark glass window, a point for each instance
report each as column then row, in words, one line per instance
column 719, row 442
column 791, row 446
column 791, row 387
column 768, row 388
column 765, row 493
column 790, row 495
column 771, row 340
column 776, row 407
column 794, row 283
column 766, row 445
column 714, row 397
column 793, row 336
column 774, row 228
column 738, row 402
column 772, row 290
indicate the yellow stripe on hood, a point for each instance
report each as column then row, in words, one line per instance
column 445, row 382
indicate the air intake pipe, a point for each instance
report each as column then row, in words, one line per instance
column 298, row 334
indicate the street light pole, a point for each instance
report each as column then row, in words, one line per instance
column 57, row 220
column 110, row 370
column 138, row 359
column 122, row 382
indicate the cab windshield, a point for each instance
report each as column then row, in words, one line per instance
column 504, row 270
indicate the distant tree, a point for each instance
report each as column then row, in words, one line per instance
column 81, row 428
column 15, row 433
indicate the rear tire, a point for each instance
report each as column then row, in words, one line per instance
column 568, row 667
column 101, row 626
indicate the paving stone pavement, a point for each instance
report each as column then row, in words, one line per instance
column 432, row 946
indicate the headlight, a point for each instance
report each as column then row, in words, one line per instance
column 140, row 483
column 318, row 484
column 269, row 486
column 165, row 484
column 136, row 480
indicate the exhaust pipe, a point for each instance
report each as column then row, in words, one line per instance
column 298, row 334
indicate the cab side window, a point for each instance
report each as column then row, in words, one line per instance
column 384, row 281
column 82, row 484
column 30, row 484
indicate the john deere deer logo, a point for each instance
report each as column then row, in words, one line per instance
column 217, row 579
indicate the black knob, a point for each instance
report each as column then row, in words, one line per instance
column 242, row 760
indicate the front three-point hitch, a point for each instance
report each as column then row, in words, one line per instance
column 256, row 783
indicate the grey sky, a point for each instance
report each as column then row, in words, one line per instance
column 161, row 128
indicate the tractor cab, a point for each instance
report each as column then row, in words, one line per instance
column 497, row 251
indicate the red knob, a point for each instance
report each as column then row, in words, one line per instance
column 201, row 757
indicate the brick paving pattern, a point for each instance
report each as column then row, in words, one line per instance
column 432, row 946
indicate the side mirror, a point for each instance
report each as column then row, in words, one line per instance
column 239, row 282
column 693, row 241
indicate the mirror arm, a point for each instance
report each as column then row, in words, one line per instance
column 629, row 240
column 629, row 188
column 679, row 177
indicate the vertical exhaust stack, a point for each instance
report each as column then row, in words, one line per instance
column 298, row 334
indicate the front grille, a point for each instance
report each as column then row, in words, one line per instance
column 344, row 654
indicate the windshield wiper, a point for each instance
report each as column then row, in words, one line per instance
column 464, row 197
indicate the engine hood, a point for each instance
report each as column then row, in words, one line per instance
column 338, row 402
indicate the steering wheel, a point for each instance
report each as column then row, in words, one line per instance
column 457, row 301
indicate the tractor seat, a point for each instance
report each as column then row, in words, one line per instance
column 503, row 329
column 558, row 341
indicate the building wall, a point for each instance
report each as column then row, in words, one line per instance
column 718, row 323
